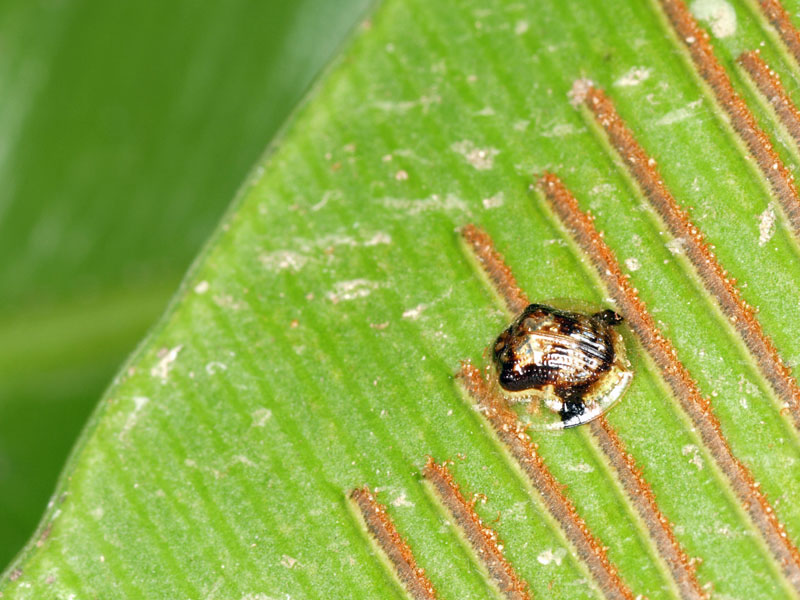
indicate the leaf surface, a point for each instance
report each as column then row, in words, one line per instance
column 312, row 348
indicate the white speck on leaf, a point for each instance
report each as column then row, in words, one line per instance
column 766, row 226
column 578, row 91
column 435, row 202
column 634, row 76
column 719, row 15
column 414, row 313
column 552, row 556
column 675, row 246
column 561, row 130
column 281, row 260
column 241, row 458
column 215, row 366
column 521, row 27
column 493, row 201
column 402, row 501
column 404, row 106
column 201, row 288
column 351, row 290
column 380, row 237
column 261, row 416
column 327, row 196
column 680, row 114
column 633, row 264
column 480, row 158
column 228, row 301
column 695, row 452
column 581, row 467
column 167, row 358
column 288, row 561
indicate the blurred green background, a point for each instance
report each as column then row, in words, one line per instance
column 125, row 130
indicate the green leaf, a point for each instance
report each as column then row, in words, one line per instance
column 313, row 345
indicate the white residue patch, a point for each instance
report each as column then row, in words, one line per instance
column 634, row 76
column 434, row 203
column 602, row 189
column 241, row 458
column 633, row 264
column 552, row 556
column 719, row 15
column 521, row 27
column 201, row 288
column 577, row 94
column 260, row 416
column 282, row 260
column 166, row 358
column 401, row 501
column 680, row 114
column 327, row 197
column 675, row 246
column 486, row 111
column 97, row 513
column 493, row 201
column 288, row 561
column 414, row 313
column 139, row 403
column 215, row 367
column 694, row 451
column 404, row 106
column 480, row 158
column 351, row 290
column 766, row 226
column 581, row 467
column 228, row 301
column 561, row 130
column 380, row 237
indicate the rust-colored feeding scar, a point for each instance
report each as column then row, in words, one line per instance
column 630, row 475
column 483, row 538
column 770, row 86
column 685, row 389
column 382, row 528
column 779, row 18
column 644, row 170
column 512, row 433
column 743, row 121
column 681, row 567
column 495, row 268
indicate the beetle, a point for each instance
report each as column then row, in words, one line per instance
column 574, row 363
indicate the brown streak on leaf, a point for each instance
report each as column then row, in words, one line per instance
column 779, row 18
column 769, row 84
column 663, row 353
column 512, row 433
column 722, row 287
column 743, row 121
column 495, row 268
column 483, row 538
column 641, row 495
column 396, row 548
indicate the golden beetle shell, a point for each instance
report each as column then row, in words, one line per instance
column 574, row 363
